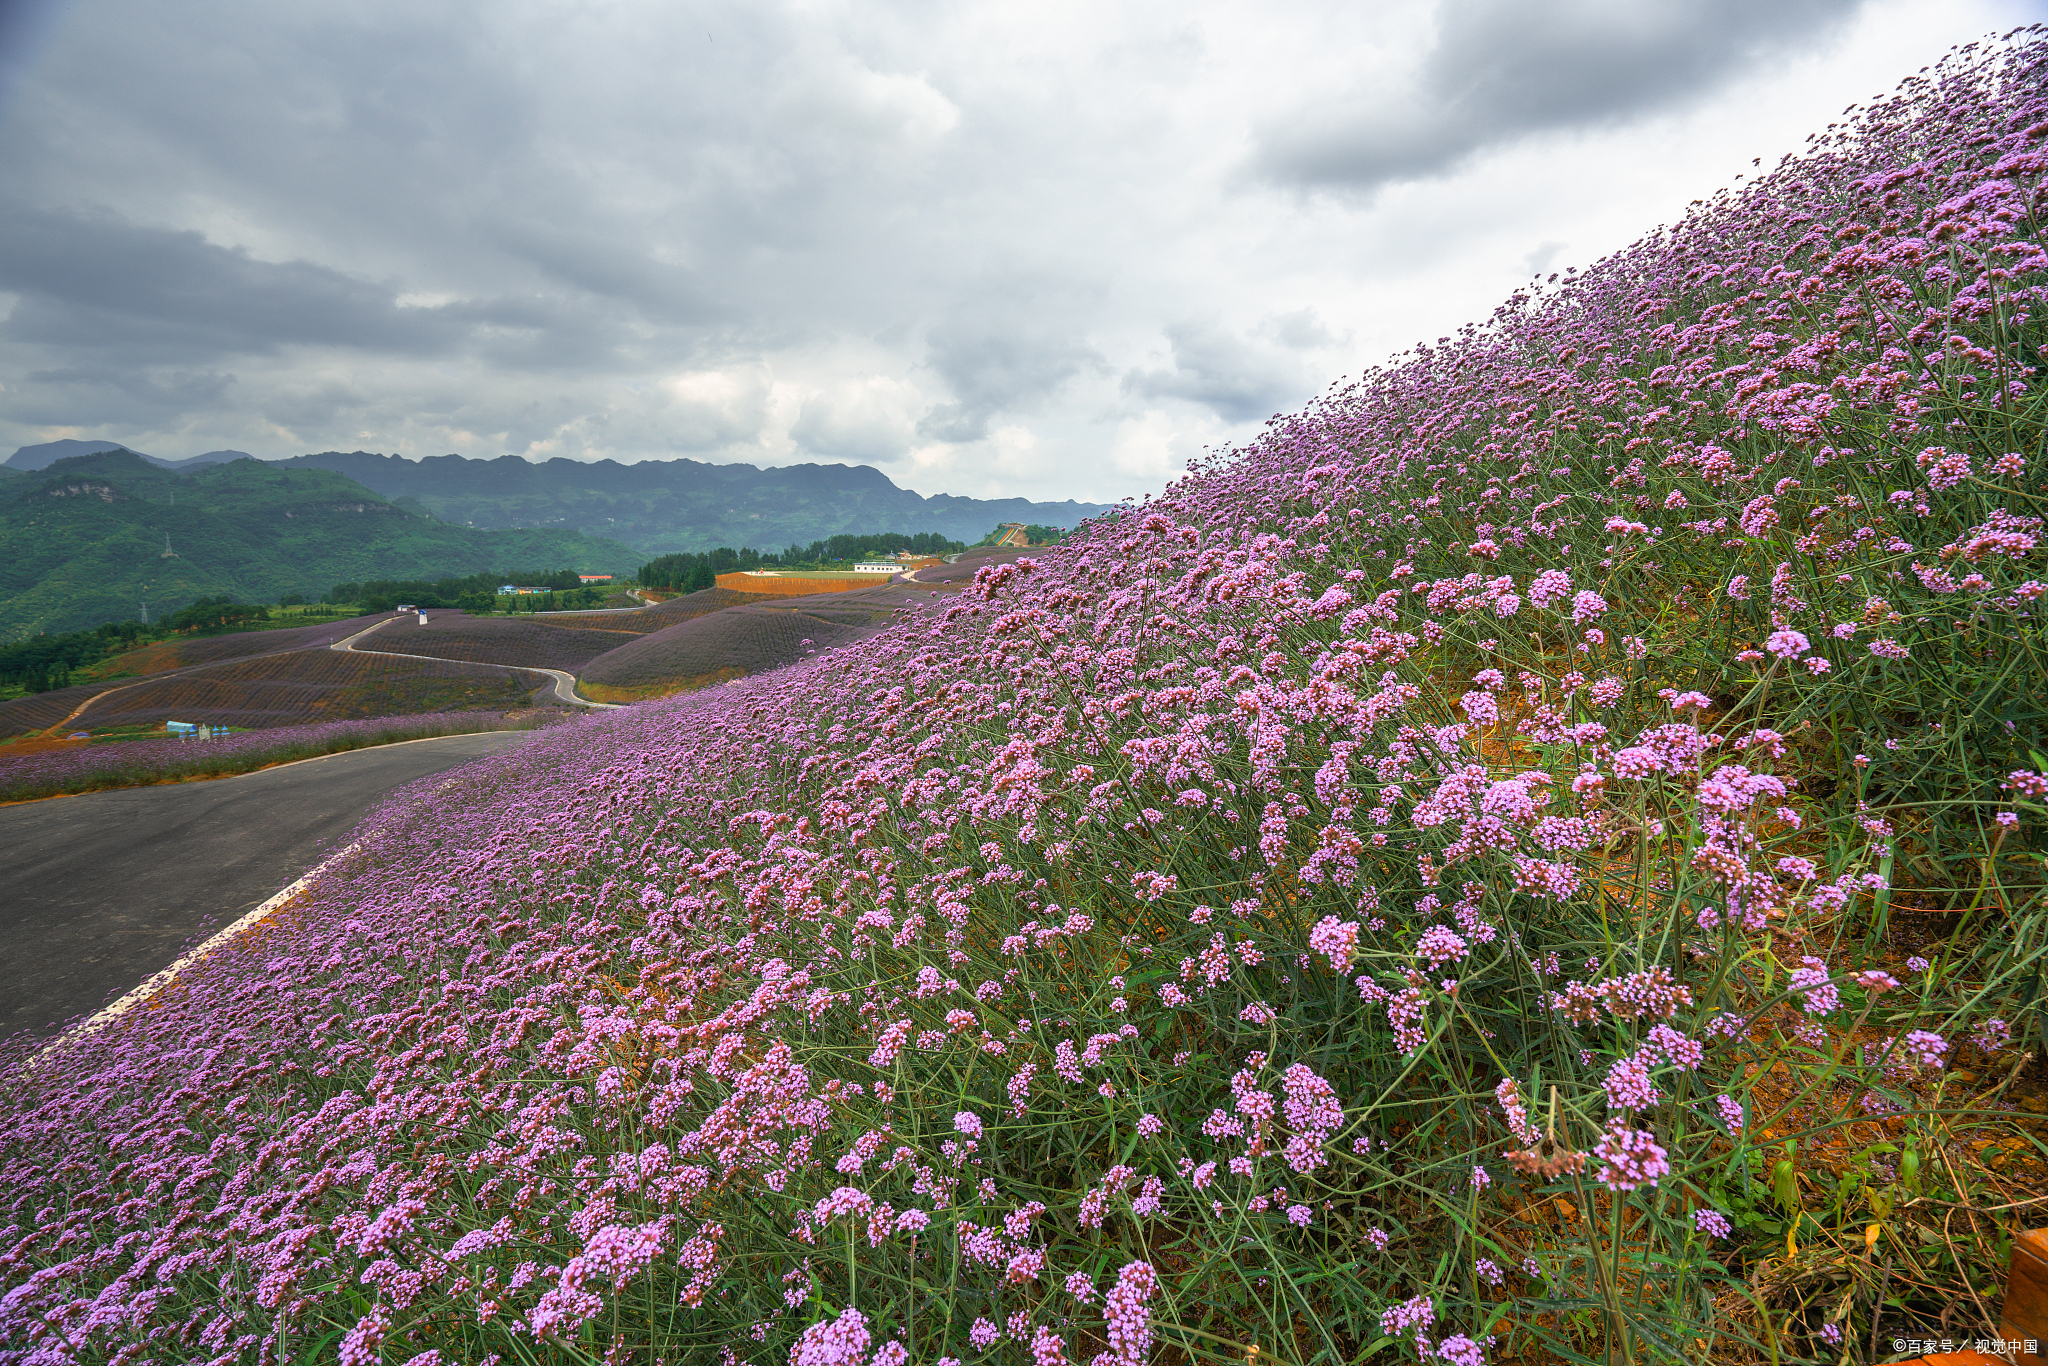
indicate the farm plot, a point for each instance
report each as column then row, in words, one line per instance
column 962, row 570
column 747, row 639
column 877, row 606
column 163, row 655
column 81, row 768
column 42, row 710
column 659, row 617
column 710, row 649
column 496, row 640
column 307, row 685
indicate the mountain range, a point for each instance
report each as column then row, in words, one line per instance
column 27, row 458
column 88, row 537
column 662, row 506
column 656, row 506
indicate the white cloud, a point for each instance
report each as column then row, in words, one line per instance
column 1155, row 446
column 864, row 421
column 1041, row 247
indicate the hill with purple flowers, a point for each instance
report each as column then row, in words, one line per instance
column 1537, row 857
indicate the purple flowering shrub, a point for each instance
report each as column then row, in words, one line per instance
column 1206, row 932
column 131, row 763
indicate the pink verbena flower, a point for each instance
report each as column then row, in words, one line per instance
column 1628, row 1085
column 1630, row 1159
column 1509, row 1096
column 1788, row 644
column 833, row 1342
column 1926, row 1048
column 1409, row 1316
column 2026, row 783
column 1817, row 994
column 1459, row 1350
column 1439, row 944
column 1550, row 586
column 1336, row 940
column 1128, row 1321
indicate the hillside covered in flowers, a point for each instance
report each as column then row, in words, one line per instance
column 1517, row 863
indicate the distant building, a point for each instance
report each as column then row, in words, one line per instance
column 876, row 567
column 595, row 578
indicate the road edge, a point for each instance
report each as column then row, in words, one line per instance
column 156, row 983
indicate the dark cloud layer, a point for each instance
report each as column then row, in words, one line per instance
column 993, row 364
column 153, row 295
column 1236, row 378
column 1501, row 70
column 1000, row 248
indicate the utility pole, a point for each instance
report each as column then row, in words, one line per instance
column 145, row 611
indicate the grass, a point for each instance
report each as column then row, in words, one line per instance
column 1458, row 879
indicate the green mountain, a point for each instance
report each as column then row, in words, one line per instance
column 666, row 506
column 41, row 457
column 89, row 538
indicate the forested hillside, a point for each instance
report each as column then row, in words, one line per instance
column 86, row 540
column 667, row 506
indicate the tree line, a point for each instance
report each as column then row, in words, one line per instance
column 473, row 593
column 45, row 662
column 690, row 571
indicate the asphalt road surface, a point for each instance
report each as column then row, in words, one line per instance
column 102, row 890
column 565, row 684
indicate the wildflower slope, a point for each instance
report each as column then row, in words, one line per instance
column 1353, row 903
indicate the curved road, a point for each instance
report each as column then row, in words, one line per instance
column 99, row 891
column 565, row 683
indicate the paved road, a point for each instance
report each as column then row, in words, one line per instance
column 99, row 891
column 565, row 683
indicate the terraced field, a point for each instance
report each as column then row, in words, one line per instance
column 164, row 655
column 498, row 640
column 961, row 571
column 746, row 639
column 283, row 690
column 649, row 620
column 261, row 679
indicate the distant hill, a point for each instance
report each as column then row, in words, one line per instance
column 660, row 506
column 50, row 452
column 83, row 540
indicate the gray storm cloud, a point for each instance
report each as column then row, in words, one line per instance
column 1238, row 378
column 1501, row 70
column 1010, row 249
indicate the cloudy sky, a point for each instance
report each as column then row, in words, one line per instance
column 1039, row 247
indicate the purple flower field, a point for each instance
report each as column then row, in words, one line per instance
column 131, row 763
column 748, row 638
column 496, row 640
column 1435, row 886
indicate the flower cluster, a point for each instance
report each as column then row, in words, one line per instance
column 1134, row 906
